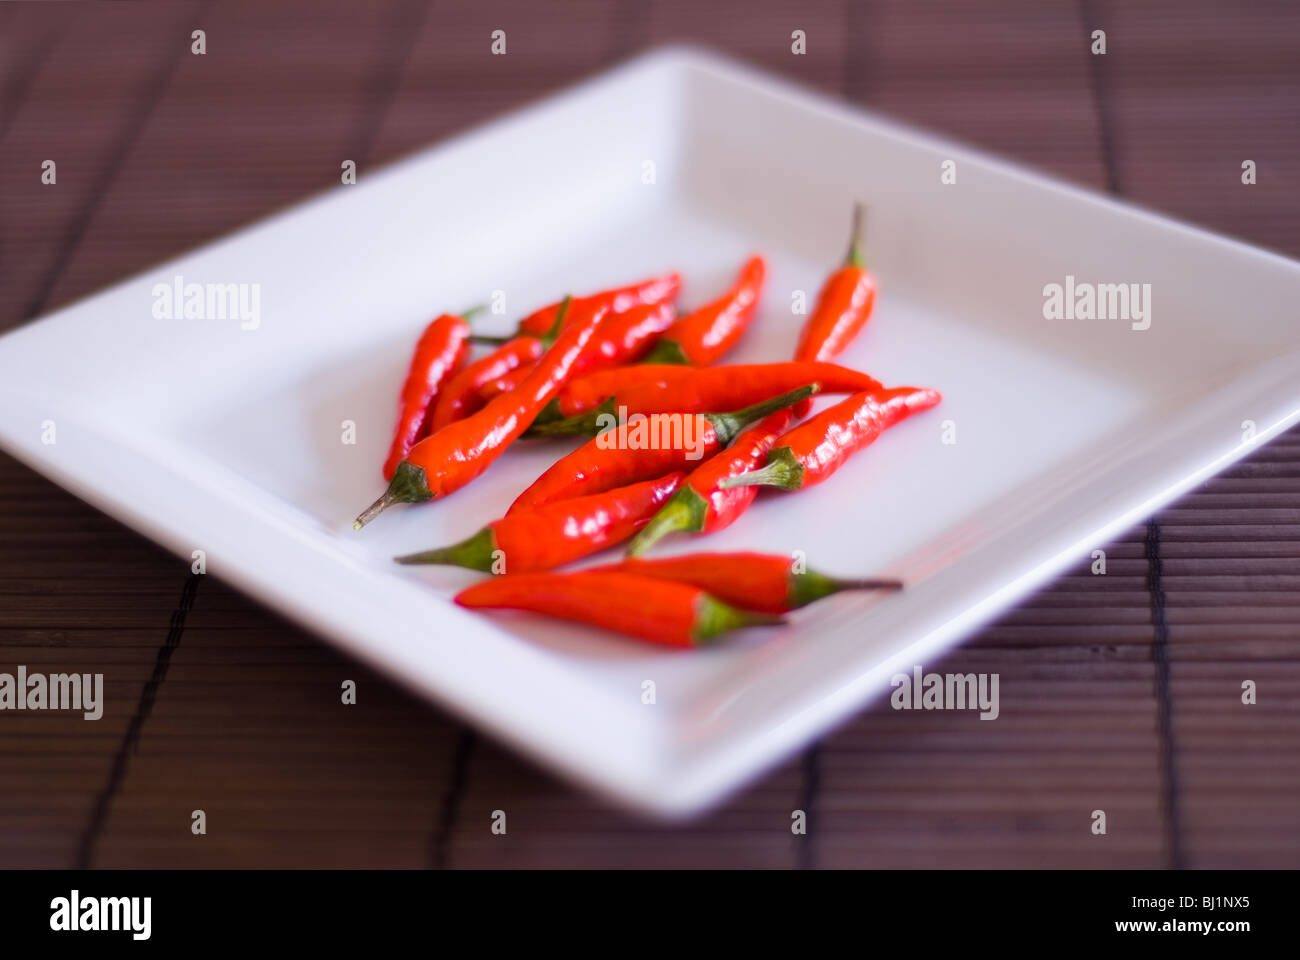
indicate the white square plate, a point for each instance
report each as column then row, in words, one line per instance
column 203, row 435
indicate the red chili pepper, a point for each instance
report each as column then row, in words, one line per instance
column 701, row 337
column 843, row 306
column 591, row 390
column 751, row 581
column 701, row 506
column 441, row 349
column 558, row 533
column 460, row 451
column 462, row 394
column 621, row 339
column 663, row 612
column 625, row 337
column 812, row 451
column 662, row 289
column 507, row 383
column 711, row 388
column 648, row 448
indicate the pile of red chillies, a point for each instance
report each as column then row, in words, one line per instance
column 678, row 444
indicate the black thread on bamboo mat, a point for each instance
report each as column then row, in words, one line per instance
column 1164, row 698
column 112, row 166
column 381, row 86
column 131, row 739
column 16, row 91
column 1090, row 14
column 859, row 17
column 809, row 794
column 449, row 809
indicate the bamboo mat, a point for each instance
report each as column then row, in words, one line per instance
column 1127, row 686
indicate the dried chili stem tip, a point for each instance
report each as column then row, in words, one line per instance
column 407, row 486
column 811, row 585
column 855, row 257
column 765, row 582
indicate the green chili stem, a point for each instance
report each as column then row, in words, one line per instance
column 473, row 552
column 783, row 470
column 685, row 512
column 409, row 485
column 727, row 425
column 855, row 256
column 713, row 617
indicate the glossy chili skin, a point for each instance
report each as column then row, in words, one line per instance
column 609, row 461
column 463, row 450
column 441, row 349
column 750, row 451
column 549, row 536
column 506, row 383
column 813, row 451
column 704, row 335
column 585, row 393
column 843, row 306
column 714, row 388
column 739, row 385
column 660, row 289
column 648, row 447
column 660, row 611
column 558, row 533
column 455, row 455
column 625, row 337
column 462, row 394
column 701, row 506
column 768, row 582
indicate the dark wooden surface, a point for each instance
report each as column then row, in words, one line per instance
column 1134, row 678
